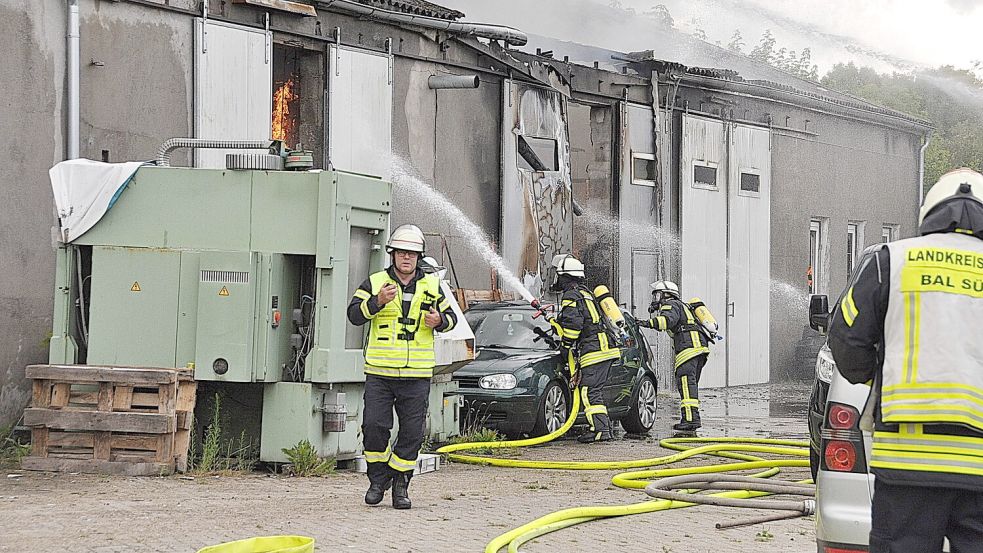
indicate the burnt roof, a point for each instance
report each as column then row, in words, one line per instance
column 415, row 7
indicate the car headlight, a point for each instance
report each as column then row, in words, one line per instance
column 825, row 365
column 498, row 382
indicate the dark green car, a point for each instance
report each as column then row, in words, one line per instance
column 519, row 386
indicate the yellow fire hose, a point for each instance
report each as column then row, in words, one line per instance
column 720, row 447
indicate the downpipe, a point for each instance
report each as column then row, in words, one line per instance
column 921, row 168
column 72, row 66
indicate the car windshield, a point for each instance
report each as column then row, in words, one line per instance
column 508, row 328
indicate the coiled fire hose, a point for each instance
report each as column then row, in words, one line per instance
column 731, row 448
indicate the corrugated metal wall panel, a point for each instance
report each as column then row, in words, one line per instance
column 233, row 86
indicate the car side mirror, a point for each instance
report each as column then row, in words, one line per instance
column 819, row 312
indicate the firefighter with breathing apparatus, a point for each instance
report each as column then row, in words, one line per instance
column 586, row 344
column 692, row 328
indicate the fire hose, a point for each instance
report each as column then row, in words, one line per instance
column 731, row 448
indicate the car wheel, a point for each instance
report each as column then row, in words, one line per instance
column 644, row 401
column 552, row 411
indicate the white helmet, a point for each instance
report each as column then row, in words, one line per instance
column 666, row 287
column 407, row 238
column 566, row 264
column 959, row 183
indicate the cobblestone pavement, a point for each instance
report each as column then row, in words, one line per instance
column 459, row 508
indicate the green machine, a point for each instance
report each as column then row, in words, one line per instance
column 244, row 274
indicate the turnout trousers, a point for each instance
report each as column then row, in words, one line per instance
column 409, row 397
column 914, row 519
column 592, row 395
column 687, row 382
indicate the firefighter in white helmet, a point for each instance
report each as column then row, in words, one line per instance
column 585, row 343
column 404, row 307
column 909, row 321
column 670, row 314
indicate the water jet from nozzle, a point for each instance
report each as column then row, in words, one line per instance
column 404, row 176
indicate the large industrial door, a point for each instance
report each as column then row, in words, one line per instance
column 749, row 274
column 725, row 177
column 703, row 186
column 360, row 109
column 233, row 86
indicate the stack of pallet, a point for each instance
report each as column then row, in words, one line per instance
column 116, row 420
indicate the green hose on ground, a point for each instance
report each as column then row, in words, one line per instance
column 730, row 448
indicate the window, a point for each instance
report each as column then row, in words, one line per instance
column 537, row 154
column 854, row 245
column 644, row 169
column 704, row 176
column 889, row 233
column 750, row 182
column 816, row 272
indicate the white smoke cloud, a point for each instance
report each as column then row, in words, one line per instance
column 886, row 34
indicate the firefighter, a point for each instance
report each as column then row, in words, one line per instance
column 585, row 344
column 672, row 315
column 403, row 306
column 909, row 322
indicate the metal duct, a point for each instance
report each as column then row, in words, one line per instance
column 171, row 144
column 494, row 32
column 453, row 81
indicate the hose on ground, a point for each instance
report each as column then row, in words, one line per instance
column 736, row 449
column 663, row 489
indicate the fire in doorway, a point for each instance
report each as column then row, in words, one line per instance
column 284, row 122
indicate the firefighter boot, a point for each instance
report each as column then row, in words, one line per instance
column 401, row 495
column 689, row 420
column 380, row 479
column 590, row 437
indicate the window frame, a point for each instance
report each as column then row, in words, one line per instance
column 856, row 244
column 818, row 253
column 708, row 164
column 748, row 193
column 634, row 178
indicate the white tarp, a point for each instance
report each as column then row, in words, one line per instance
column 84, row 191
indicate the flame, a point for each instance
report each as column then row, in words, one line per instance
column 283, row 123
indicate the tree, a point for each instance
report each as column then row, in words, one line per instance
column 736, row 42
column 662, row 16
column 765, row 50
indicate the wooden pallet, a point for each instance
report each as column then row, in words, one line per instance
column 118, row 420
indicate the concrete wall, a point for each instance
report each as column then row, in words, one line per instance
column 32, row 54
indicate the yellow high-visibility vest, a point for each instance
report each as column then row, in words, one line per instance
column 401, row 344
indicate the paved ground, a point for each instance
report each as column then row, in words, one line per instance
column 459, row 508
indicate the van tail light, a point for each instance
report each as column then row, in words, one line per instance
column 842, row 417
column 842, row 441
column 841, row 550
column 840, row 455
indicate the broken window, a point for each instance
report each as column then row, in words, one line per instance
column 704, row 176
column 644, row 170
column 750, row 182
column 537, row 154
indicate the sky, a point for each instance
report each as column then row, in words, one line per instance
column 889, row 35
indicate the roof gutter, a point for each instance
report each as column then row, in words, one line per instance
column 494, row 32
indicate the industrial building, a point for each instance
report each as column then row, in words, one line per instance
column 772, row 184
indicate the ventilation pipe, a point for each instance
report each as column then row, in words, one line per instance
column 171, row 144
column 493, row 32
column 921, row 168
column 436, row 82
column 73, row 79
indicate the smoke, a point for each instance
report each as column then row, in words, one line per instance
column 888, row 35
column 959, row 91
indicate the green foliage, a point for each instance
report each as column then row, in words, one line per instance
column 949, row 98
column 304, row 460
column 11, row 449
column 736, row 43
column 478, row 434
column 219, row 455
